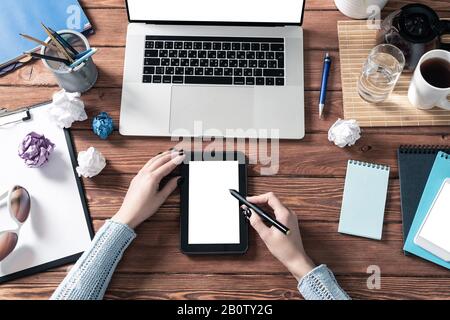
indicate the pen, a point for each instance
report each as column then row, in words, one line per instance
column 63, row 41
column 42, row 56
column 88, row 54
column 58, row 45
column 81, row 54
column 266, row 217
column 323, row 89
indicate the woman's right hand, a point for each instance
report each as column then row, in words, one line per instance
column 288, row 249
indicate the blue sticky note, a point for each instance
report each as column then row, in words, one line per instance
column 25, row 16
column 439, row 173
column 364, row 200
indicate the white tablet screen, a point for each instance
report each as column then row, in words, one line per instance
column 213, row 212
column 437, row 224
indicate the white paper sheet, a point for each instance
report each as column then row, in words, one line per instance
column 56, row 227
column 213, row 212
column 437, row 225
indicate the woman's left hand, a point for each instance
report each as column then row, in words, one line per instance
column 144, row 198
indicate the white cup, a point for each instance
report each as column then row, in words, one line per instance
column 360, row 9
column 423, row 95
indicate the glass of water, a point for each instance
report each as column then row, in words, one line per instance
column 380, row 73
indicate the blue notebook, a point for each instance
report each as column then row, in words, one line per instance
column 439, row 173
column 25, row 16
column 363, row 204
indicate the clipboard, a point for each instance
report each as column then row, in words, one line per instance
column 79, row 220
column 207, row 220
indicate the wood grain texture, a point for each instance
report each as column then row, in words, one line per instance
column 212, row 286
column 156, row 249
column 310, row 4
column 311, row 199
column 110, row 61
column 108, row 99
column 310, row 181
column 313, row 156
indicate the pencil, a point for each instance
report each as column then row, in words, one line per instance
column 42, row 43
column 63, row 41
column 59, row 45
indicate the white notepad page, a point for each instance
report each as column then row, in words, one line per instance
column 436, row 228
column 56, row 227
column 213, row 212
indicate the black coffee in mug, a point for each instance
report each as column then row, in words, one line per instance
column 436, row 71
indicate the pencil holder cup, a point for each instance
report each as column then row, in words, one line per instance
column 77, row 79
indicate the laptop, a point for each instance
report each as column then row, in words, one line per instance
column 214, row 68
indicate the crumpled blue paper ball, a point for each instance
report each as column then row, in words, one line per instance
column 103, row 125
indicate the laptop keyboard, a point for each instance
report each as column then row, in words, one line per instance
column 214, row 60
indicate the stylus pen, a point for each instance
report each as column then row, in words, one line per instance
column 323, row 89
column 260, row 212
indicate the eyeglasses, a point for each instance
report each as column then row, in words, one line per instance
column 18, row 203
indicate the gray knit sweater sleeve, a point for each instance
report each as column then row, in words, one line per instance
column 320, row 284
column 90, row 276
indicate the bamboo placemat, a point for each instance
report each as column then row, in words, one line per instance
column 355, row 42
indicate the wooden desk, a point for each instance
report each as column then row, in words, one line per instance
column 310, row 182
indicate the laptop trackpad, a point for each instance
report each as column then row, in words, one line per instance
column 210, row 109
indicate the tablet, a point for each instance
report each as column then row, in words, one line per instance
column 211, row 219
column 433, row 234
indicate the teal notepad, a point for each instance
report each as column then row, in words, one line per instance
column 439, row 173
column 364, row 200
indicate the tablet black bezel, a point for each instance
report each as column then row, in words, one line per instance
column 187, row 248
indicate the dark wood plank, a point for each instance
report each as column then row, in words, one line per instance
column 156, row 250
column 108, row 99
column 311, row 199
column 310, row 4
column 310, row 181
column 211, row 286
column 313, row 156
column 110, row 61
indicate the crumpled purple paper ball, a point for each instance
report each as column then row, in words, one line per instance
column 103, row 125
column 35, row 149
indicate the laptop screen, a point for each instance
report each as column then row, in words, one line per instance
column 229, row 11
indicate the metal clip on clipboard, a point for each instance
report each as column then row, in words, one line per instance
column 17, row 116
column 12, row 117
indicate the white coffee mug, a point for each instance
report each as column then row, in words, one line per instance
column 423, row 95
column 360, row 9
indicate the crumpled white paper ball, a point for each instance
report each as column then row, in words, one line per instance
column 344, row 133
column 67, row 108
column 90, row 163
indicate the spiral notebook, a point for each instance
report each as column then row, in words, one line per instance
column 414, row 165
column 363, row 204
column 438, row 175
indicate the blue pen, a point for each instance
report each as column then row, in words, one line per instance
column 323, row 89
column 81, row 54
column 83, row 58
